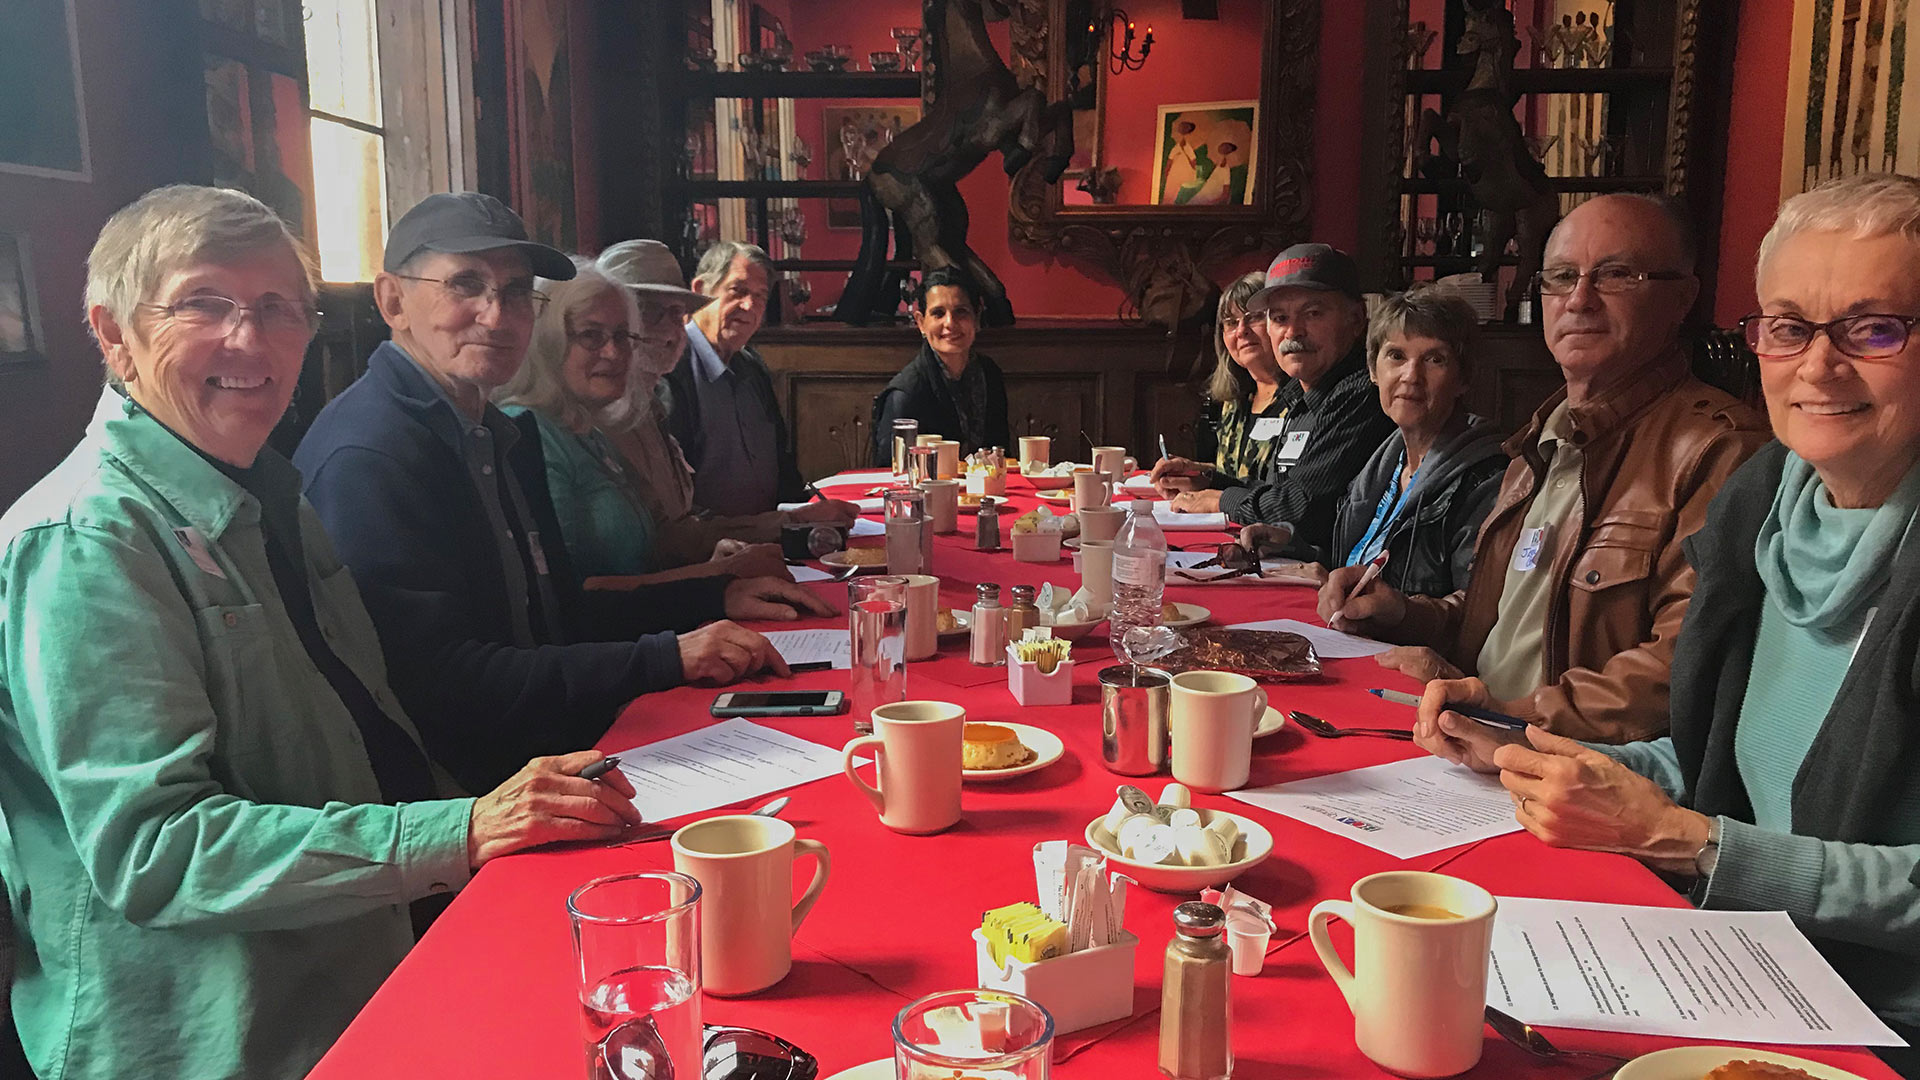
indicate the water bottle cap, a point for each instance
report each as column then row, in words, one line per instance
column 1143, row 506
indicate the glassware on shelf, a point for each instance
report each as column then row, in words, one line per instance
column 884, row 61
column 853, row 143
column 1425, row 232
column 907, row 41
column 801, row 155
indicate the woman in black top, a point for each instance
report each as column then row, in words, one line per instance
column 951, row 389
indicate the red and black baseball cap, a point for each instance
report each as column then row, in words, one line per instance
column 463, row 222
column 1311, row 266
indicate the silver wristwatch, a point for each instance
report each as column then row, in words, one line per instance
column 1708, row 857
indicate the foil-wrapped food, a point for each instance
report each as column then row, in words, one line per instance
column 1268, row 655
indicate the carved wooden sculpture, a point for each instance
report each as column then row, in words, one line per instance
column 977, row 107
column 1480, row 138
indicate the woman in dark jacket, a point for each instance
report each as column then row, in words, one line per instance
column 1790, row 780
column 952, row 390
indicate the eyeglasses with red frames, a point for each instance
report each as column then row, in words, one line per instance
column 1874, row 336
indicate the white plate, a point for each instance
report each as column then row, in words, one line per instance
column 872, row 1070
column 1694, row 1062
column 964, row 618
column 1190, row 615
column 839, row 559
column 1057, row 496
column 1255, row 845
column 1046, row 747
column 1273, row 721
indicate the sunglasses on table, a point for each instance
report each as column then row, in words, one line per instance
column 1234, row 558
column 737, row 1053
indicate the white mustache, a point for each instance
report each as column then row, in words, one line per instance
column 1294, row 345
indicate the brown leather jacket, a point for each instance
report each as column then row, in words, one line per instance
column 1655, row 450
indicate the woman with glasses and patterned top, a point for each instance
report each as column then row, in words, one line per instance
column 1246, row 384
column 1790, row 779
column 216, row 813
column 578, row 365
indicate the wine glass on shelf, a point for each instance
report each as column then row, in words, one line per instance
column 1454, row 234
column 1425, row 232
column 852, row 144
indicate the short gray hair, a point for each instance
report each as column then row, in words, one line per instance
column 539, row 385
column 718, row 259
column 1864, row 207
column 1230, row 381
column 1439, row 312
column 175, row 226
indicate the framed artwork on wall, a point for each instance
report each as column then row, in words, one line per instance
column 43, row 116
column 1205, row 153
column 1848, row 109
column 540, row 83
column 19, row 314
column 851, row 136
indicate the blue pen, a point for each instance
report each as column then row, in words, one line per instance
column 1484, row 716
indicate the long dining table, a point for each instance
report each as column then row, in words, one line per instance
column 490, row 990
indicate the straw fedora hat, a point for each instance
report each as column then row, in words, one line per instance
column 648, row 267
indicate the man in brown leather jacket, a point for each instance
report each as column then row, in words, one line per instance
column 1579, row 585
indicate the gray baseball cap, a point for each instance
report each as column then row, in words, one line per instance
column 463, row 222
column 1311, row 266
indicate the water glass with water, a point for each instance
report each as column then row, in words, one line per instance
column 909, row 532
column 636, row 941
column 877, row 625
column 1014, row 1033
column 906, row 434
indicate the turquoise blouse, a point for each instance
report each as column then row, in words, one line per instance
column 603, row 517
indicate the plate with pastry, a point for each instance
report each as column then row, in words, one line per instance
column 1181, row 616
column 1059, row 495
column 953, row 622
column 869, row 560
column 990, row 752
column 1726, row 1063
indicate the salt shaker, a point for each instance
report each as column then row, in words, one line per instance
column 986, row 528
column 988, row 645
column 1196, row 1013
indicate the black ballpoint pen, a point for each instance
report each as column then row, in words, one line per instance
column 600, row 768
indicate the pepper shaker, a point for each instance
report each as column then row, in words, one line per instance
column 988, row 643
column 1196, row 1011
column 986, row 529
column 1022, row 614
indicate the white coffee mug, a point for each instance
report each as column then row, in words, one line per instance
column 1095, row 563
column 744, row 865
column 947, row 459
column 943, row 504
column 1101, row 522
column 923, row 616
column 1418, row 988
column 1212, row 720
column 916, row 747
column 1111, row 461
column 1089, row 489
column 1035, row 451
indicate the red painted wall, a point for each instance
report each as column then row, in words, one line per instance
column 1758, row 126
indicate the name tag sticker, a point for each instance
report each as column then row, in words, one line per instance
column 1526, row 554
column 539, row 553
column 1266, row 428
column 1294, row 446
column 197, row 550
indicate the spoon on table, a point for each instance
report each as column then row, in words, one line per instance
column 1320, row 727
column 1528, row 1038
column 649, row 833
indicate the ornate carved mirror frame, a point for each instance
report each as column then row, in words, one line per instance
column 1159, row 255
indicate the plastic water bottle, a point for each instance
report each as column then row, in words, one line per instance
column 1139, row 574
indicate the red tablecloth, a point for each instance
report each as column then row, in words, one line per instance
column 489, row 992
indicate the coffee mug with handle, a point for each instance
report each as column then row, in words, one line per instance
column 744, row 864
column 916, row 748
column 1418, row 987
column 1213, row 717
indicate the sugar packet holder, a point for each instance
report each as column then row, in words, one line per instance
column 1092, row 983
column 1028, row 683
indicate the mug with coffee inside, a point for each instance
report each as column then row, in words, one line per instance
column 1418, row 986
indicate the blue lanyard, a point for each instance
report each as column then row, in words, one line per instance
column 1392, row 501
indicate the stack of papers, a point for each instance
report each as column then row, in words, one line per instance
column 831, row 647
column 720, row 765
column 1168, row 518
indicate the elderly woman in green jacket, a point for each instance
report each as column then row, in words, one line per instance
column 215, row 814
column 1791, row 781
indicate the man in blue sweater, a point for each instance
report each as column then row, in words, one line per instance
column 438, row 503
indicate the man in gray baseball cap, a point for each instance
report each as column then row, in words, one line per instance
column 1330, row 423
column 438, row 503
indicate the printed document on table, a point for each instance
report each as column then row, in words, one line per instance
column 869, row 506
column 814, row 647
column 869, row 478
column 1406, row 808
column 1328, row 643
column 1168, row 518
column 804, row 574
column 722, row 764
column 1742, row 976
column 867, row 527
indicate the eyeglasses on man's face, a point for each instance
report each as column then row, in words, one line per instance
column 518, row 297
column 209, row 315
column 1608, row 278
column 596, row 339
column 1862, row 337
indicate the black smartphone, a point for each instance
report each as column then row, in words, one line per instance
column 780, row 703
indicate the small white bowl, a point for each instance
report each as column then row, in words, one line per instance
column 1074, row 631
column 1254, row 845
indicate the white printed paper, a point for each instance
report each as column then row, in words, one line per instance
column 1169, row 518
column 1328, row 643
column 1406, row 808
column 804, row 574
column 867, row 527
column 719, row 765
column 869, row 478
column 867, row 506
column 833, row 647
column 1743, row 976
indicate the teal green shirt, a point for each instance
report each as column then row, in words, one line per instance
column 1796, row 673
column 202, row 880
column 603, row 518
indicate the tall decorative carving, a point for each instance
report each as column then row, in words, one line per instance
column 1160, row 256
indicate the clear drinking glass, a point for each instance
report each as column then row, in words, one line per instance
column 909, row 533
column 906, row 433
column 922, row 464
column 636, row 938
column 1016, row 1031
column 877, row 624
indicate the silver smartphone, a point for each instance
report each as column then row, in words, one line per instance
column 780, row 703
